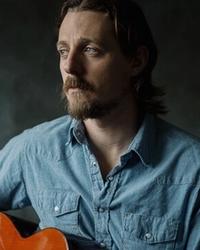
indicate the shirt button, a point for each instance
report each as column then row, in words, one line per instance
column 110, row 178
column 101, row 209
column 102, row 245
column 148, row 236
column 56, row 208
column 94, row 164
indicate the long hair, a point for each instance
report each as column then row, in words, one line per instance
column 132, row 31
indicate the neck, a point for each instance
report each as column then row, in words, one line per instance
column 113, row 129
column 111, row 135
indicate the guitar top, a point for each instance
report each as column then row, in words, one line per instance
column 47, row 239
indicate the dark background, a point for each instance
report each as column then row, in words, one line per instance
column 30, row 82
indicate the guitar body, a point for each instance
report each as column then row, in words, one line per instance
column 47, row 239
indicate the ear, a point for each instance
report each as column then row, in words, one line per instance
column 139, row 60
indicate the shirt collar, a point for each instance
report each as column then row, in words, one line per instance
column 143, row 143
column 76, row 132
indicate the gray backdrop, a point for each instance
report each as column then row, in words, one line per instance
column 29, row 77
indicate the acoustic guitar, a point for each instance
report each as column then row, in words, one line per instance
column 46, row 239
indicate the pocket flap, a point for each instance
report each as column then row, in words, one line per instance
column 58, row 202
column 151, row 229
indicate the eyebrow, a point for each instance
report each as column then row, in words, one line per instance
column 61, row 43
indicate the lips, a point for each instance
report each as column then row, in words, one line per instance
column 75, row 91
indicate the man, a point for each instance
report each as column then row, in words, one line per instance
column 111, row 171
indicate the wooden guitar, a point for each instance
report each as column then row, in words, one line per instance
column 46, row 239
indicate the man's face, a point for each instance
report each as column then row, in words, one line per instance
column 95, row 73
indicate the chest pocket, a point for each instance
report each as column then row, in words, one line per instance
column 59, row 209
column 148, row 232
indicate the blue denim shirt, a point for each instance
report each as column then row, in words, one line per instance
column 151, row 200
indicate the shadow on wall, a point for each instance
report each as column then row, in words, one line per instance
column 29, row 74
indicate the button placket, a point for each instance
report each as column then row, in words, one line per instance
column 95, row 171
column 103, row 210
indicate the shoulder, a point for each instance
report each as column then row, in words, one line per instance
column 174, row 134
column 178, row 145
column 50, row 128
column 44, row 138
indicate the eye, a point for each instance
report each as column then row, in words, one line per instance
column 91, row 50
column 63, row 52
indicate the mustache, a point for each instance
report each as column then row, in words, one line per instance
column 72, row 82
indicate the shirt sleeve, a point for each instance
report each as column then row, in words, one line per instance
column 193, row 242
column 12, row 189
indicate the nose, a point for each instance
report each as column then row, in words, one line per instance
column 72, row 64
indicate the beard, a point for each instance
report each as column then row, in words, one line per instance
column 85, row 103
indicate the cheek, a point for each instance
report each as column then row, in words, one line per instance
column 113, row 74
column 62, row 71
column 115, row 67
column 103, row 70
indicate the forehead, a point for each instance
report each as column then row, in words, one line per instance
column 86, row 24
